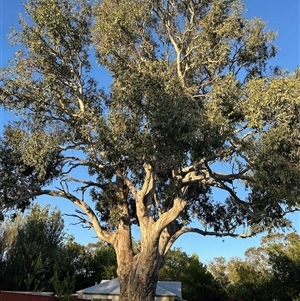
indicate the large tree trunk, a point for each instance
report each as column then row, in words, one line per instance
column 138, row 283
column 138, row 274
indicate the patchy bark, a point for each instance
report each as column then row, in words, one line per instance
column 138, row 277
column 138, row 283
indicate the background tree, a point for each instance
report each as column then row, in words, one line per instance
column 284, row 262
column 63, row 287
column 197, row 282
column 269, row 272
column 90, row 264
column 32, row 255
column 218, row 268
column 103, row 261
column 8, row 232
column 190, row 110
column 36, row 255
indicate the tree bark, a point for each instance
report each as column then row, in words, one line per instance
column 139, row 282
column 138, row 274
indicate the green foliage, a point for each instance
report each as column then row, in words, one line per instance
column 32, row 254
column 8, row 233
column 104, row 261
column 63, row 288
column 284, row 260
column 92, row 263
column 268, row 272
column 197, row 283
column 19, row 178
column 36, row 255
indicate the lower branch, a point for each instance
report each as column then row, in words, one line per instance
column 203, row 232
column 93, row 220
column 101, row 233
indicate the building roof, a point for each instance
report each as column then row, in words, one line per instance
column 106, row 287
column 112, row 287
column 169, row 286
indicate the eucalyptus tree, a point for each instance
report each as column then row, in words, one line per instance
column 191, row 110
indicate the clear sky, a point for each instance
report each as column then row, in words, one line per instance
column 282, row 16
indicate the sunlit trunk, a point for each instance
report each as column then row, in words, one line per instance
column 139, row 283
column 138, row 275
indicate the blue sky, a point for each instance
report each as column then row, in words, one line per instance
column 281, row 16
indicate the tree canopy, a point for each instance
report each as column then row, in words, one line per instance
column 192, row 109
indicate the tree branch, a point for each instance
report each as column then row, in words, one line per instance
column 81, row 219
column 94, row 222
column 205, row 233
column 169, row 216
column 128, row 183
column 148, row 181
column 101, row 233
